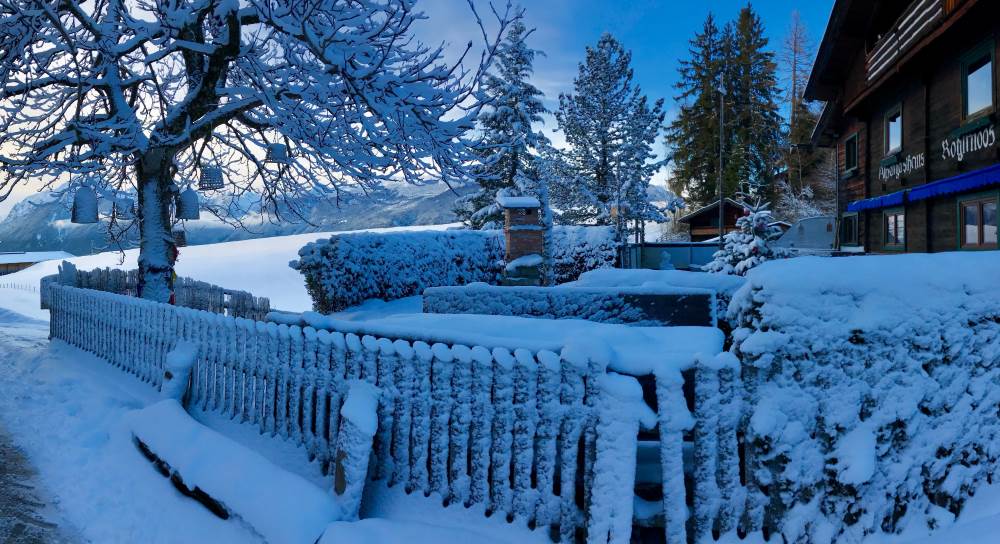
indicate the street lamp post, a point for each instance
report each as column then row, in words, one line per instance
column 722, row 143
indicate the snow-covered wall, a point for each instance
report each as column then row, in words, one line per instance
column 348, row 269
column 631, row 305
column 873, row 388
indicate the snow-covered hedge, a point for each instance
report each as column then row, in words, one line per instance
column 873, row 388
column 350, row 268
column 632, row 305
column 576, row 250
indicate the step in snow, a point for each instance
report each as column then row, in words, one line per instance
column 283, row 507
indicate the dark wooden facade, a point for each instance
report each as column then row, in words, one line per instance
column 918, row 59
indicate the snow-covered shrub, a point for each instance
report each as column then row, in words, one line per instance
column 872, row 390
column 749, row 245
column 576, row 250
column 350, row 268
column 640, row 306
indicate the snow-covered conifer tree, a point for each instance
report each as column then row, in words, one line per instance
column 150, row 95
column 610, row 127
column 508, row 142
column 749, row 245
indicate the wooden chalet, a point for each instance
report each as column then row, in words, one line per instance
column 911, row 106
column 704, row 222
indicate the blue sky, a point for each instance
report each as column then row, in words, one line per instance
column 656, row 31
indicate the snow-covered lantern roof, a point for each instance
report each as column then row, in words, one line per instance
column 211, row 179
column 84, row 206
column 187, row 205
column 277, row 153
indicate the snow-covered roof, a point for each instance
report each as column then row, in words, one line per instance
column 21, row 257
column 518, row 202
column 715, row 204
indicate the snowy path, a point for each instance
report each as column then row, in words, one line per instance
column 26, row 513
column 63, row 409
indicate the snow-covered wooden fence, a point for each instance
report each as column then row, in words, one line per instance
column 545, row 439
column 188, row 292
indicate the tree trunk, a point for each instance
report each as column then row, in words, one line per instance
column 157, row 250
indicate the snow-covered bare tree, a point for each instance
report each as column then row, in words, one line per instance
column 151, row 94
column 508, row 143
column 611, row 129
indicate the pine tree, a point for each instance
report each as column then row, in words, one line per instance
column 756, row 122
column 610, row 127
column 750, row 245
column 694, row 134
column 508, row 143
column 733, row 59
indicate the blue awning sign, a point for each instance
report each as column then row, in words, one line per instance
column 956, row 184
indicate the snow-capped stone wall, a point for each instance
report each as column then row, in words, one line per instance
column 872, row 391
column 349, row 268
column 638, row 306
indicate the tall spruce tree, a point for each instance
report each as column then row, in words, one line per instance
column 756, row 122
column 733, row 59
column 610, row 128
column 508, row 142
column 694, row 133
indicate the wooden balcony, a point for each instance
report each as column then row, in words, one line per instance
column 919, row 20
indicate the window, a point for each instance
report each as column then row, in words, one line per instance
column 977, row 81
column 851, row 154
column 894, row 233
column 849, row 230
column 894, row 131
column 979, row 223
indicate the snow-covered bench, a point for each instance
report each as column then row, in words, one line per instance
column 230, row 479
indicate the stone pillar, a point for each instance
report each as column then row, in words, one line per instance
column 524, row 234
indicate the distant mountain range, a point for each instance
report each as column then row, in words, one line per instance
column 41, row 222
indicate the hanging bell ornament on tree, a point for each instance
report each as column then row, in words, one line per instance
column 211, row 179
column 187, row 206
column 277, row 153
column 84, row 207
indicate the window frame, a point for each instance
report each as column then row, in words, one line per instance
column 893, row 246
column 895, row 110
column 987, row 48
column 978, row 198
column 855, row 242
column 852, row 139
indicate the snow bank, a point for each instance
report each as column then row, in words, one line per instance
column 656, row 305
column 873, row 389
column 283, row 507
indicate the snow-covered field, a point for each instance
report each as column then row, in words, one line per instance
column 66, row 409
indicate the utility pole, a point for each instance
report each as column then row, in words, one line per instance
column 722, row 146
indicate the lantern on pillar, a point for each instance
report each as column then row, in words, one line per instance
column 187, row 206
column 84, row 206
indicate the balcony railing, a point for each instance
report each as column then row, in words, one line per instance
column 922, row 17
